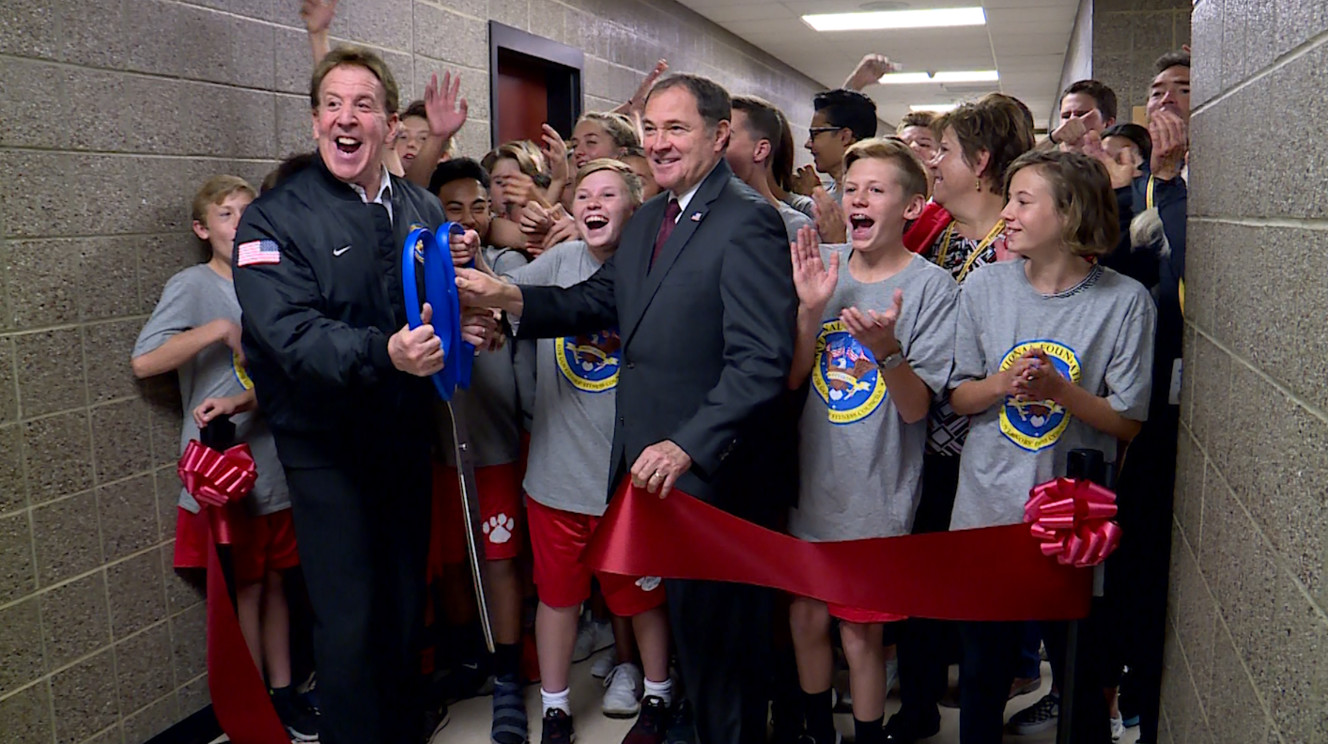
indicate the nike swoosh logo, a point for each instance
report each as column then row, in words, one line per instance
column 341, row 250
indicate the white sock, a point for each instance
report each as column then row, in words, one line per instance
column 559, row 700
column 662, row 690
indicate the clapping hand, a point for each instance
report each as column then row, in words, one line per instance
column 829, row 217
column 805, row 180
column 1171, row 141
column 1039, row 379
column 875, row 331
column 814, row 282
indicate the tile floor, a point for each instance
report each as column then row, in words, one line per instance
column 470, row 718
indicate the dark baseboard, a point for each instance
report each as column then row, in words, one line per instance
column 199, row 728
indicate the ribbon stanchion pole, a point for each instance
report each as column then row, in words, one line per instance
column 218, row 479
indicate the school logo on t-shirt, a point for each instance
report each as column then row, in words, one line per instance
column 590, row 362
column 241, row 374
column 845, row 375
column 1035, row 425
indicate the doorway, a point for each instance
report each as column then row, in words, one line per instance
column 533, row 80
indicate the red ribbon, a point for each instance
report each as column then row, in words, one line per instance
column 994, row 573
column 1071, row 519
column 239, row 696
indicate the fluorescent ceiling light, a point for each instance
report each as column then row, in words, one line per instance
column 872, row 21
column 936, row 108
column 953, row 76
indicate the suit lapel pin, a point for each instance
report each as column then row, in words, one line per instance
column 696, row 216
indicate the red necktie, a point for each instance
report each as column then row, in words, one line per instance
column 671, row 213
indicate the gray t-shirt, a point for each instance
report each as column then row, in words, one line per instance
column 192, row 298
column 1098, row 334
column 804, row 204
column 861, row 465
column 793, row 220
column 490, row 406
column 576, row 379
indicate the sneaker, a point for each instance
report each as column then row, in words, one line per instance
column 603, row 664
column 300, row 722
column 436, row 718
column 682, row 729
column 307, row 692
column 509, row 712
column 592, row 636
column 1024, row 685
column 652, row 724
column 1117, row 728
column 622, row 696
column 903, row 730
column 1039, row 716
column 557, row 727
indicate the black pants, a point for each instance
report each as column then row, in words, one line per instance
column 924, row 646
column 990, row 655
column 362, row 526
column 1137, row 573
column 721, row 632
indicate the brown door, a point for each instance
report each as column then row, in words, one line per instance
column 523, row 96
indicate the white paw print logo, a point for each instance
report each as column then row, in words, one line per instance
column 648, row 583
column 499, row 528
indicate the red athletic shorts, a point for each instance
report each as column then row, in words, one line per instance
column 557, row 539
column 500, row 515
column 258, row 544
column 863, row 617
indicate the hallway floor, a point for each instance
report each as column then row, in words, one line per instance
column 471, row 718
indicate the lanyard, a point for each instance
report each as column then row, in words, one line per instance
column 968, row 264
column 1149, row 202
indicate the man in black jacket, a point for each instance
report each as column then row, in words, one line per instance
column 341, row 381
column 701, row 290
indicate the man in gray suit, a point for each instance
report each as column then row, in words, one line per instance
column 701, row 290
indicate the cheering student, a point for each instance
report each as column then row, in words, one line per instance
column 1053, row 352
column 195, row 330
column 570, row 446
column 876, row 336
column 490, row 407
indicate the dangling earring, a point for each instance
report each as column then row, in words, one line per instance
column 977, row 184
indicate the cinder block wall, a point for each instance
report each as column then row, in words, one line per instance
column 1129, row 35
column 111, row 114
column 1247, row 646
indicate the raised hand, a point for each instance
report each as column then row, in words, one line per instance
column 829, row 217
column 446, row 111
column 875, row 331
column 814, row 282
column 417, row 351
column 869, row 70
column 563, row 230
column 555, row 151
column 639, row 98
column 317, row 15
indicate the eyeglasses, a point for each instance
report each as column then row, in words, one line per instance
column 813, row 131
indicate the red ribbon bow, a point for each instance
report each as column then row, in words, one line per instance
column 217, row 478
column 1071, row 518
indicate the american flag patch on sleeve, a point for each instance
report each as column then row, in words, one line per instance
column 257, row 252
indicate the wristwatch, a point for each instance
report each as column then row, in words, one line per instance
column 891, row 361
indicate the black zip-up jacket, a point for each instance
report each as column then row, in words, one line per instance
column 316, row 322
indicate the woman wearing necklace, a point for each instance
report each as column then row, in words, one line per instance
column 1053, row 352
column 977, row 143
